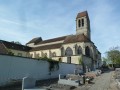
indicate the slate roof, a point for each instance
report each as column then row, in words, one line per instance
column 46, row 47
column 14, row 46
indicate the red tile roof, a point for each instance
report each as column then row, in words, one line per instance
column 67, row 39
column 52, row 40
column 82, row 14
column 76, row 38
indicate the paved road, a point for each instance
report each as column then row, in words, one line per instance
column 102, row 82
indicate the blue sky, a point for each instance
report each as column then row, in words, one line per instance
column 22, row 20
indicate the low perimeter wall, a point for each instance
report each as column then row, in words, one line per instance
column 12, row 67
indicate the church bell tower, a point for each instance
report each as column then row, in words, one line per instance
column 83, row 24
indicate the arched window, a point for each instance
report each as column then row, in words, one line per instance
column 68, row 52
column 79, row 23
column 87, row 51
column 76, row 47
column 79, row 50
column 62, row 51
column 82, row 22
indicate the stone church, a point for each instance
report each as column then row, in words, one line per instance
column 76, row 49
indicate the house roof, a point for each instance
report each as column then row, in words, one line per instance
column 35, row 40
column 82, row 14
column 76, row 38
column 11, row 45
column 52, row 40
column 67, row 39
column 46, row 47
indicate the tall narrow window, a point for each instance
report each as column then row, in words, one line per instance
column 62, row 51
column 79, row 23
column 79, row 50
column 87, row 51
column 76, row 47
column 82, row 22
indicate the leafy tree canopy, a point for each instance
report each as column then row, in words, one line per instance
column 113, row 55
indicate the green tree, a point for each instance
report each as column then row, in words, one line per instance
column 113, row 55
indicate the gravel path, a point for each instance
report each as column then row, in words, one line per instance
column 103, row 82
